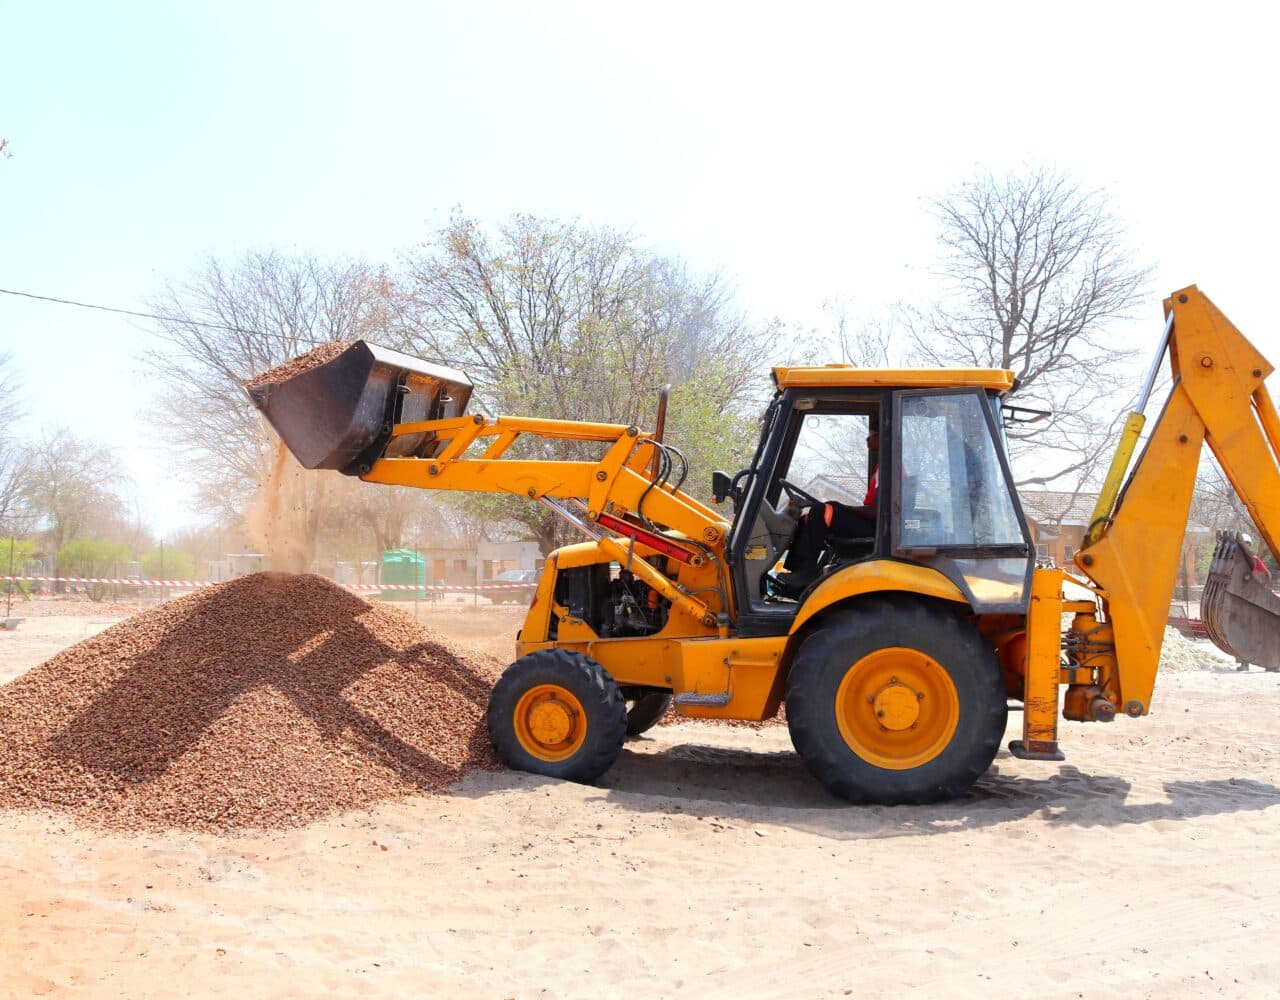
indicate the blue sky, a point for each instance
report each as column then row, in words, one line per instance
column 791, row 147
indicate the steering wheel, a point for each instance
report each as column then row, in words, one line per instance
column 799, row 495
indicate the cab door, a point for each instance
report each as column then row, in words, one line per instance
column 955, row 508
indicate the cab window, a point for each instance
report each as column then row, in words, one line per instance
column 958, row 512
column 955, row 490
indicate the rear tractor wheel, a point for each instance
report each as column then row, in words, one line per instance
column 559, row 713
column 896, row 702
column 645, row 709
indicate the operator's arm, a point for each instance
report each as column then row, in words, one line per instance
column 868, row 508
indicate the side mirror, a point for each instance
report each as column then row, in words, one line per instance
column 720, row 486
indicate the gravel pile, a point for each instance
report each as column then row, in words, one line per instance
column 303, row 362
column 265, row 702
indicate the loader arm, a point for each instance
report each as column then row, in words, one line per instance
column 1219, row 395
column 618, row 495
column 620, row 483
column 367, row 411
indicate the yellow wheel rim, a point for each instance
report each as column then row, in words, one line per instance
column 550, row 722
column 897, row 708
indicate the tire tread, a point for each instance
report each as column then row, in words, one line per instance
column 595, row 688
column 808, row 706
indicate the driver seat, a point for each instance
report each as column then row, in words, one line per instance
column 847, row 549
column 837, row 551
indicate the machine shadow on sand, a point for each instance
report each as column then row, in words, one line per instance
column 748, row 786
column 776, row 787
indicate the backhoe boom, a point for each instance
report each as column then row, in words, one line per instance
column 1219, row 395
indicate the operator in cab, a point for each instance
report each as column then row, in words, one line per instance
column 832, row 518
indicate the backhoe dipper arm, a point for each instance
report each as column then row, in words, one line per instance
column 1219, row 395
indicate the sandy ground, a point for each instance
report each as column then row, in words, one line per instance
column 707, row 862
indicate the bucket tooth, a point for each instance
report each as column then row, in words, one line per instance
column 1240, row 611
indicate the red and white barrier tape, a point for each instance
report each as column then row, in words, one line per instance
column 134, row 582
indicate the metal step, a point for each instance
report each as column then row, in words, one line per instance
column 713, row 700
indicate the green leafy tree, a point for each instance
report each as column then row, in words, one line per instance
column 168, row 564
column 86, row 557
column 23, row 551
column 16, row 556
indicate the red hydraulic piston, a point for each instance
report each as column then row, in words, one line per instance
column 655, row 542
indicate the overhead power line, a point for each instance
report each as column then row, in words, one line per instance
column 576, row 377
column 126, row 312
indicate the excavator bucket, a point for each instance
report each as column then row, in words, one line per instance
column 1240, row 612
column 337, row 410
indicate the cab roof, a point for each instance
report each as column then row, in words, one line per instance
column 848, row 376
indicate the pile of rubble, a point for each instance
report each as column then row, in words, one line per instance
column 264, row 702
column 303, row 362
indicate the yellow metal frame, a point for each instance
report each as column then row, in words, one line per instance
column 848, row 376
column 873, row 577
column 1130, row 555
column 689, row 656
column 616, row 484
column 1219, row 396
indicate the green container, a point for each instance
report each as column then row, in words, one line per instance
column 405, row 568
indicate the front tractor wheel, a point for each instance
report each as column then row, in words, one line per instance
column 558, row 713
column 896, row 702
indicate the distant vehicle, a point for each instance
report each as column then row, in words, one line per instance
column 523, row 595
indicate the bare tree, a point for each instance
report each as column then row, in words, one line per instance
column 227, row 324
column 14, row 457
column 10, row 395
column 562, row 320
column 1215, row 505
column 72, row 487
column 388, row 514
column 15, row 475
column 1036, row 273
column 866, row 344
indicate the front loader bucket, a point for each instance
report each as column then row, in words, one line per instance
column 337, row 411
column 1240, row 612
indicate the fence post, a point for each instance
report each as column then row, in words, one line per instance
column 8, row 600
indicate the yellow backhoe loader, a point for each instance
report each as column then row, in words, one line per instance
column 898, row 659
